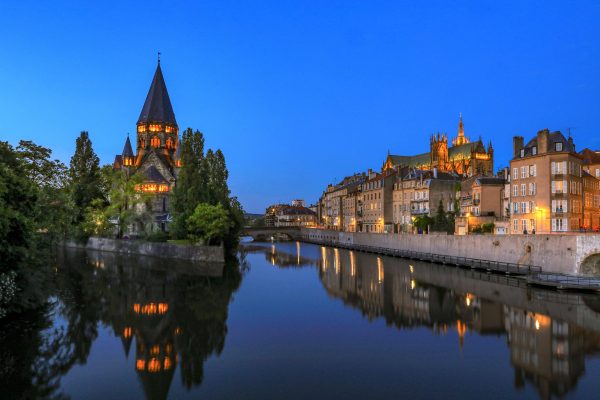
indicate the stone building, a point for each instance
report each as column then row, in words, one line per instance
column 481, row 202
column 591, row 162
column 547, row 189
column 418, row 192
column 463, row 157
column 377, row 212
column 334, row 211
column 157, row 150
column 285, row 215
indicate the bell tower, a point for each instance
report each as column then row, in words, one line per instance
column 156, row 127
column 439, row 151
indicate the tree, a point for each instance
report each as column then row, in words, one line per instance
column 127, row 205
column 84, row 174
column 191, row 187
column 209, row 223
column 440, row 222
column 217, row 175
column 53, row 207
column 422, row 222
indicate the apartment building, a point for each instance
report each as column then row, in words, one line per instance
column 591, row 162
column 546, row 184
column 481, row 202
column 419, row 192
column 334, row 211
column 376, row 209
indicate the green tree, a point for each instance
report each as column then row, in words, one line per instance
column 127, row 205
column 422, row 222
column 209, row 223
column 192, row 182
column 50, row 178
column 440, row 222
column 84, row 174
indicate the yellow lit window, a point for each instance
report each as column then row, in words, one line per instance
column 167, row 363
column 155, row 128
column 153, row 365
column 155, row 141
column 169, row 129
column 169, row 143
column 140, row 364
column 127, row 332
column 141, row 128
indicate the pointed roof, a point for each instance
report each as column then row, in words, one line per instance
column 127, row 150
column 157, row 107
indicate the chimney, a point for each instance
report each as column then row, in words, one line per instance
column 542, row 141
column 517, row 145
column 571, row 145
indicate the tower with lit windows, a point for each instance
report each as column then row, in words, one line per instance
column 157, row 148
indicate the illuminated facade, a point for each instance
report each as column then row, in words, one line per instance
column 464, row 157
column 157, row 156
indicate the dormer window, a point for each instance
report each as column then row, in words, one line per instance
column 522, row 153
column 534, row 150
column 558, row 146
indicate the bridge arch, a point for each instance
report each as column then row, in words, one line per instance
column 591, row 263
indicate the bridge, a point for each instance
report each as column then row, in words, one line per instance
column 266, row 233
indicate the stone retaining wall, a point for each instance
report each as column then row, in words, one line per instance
column 554, row 253
column 162, row 250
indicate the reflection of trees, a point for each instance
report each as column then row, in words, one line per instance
column 175, row 315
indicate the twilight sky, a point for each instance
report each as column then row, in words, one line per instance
column 299, row 93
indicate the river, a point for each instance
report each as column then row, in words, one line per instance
column 297, row 321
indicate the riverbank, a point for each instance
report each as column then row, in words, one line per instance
column 196, row 253
column 565, row 254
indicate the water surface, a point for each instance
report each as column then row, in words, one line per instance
column 296, row 321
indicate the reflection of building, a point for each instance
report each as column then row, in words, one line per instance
column 463, row 157
column 174, row 316
column 157, row 149
column 547, row 352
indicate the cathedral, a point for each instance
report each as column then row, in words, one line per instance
column 464, row 158
column 157, row 156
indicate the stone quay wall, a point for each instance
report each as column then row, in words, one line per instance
column 162, row 250
column 553, row 253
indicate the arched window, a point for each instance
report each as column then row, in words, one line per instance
column 142, row 143
column 169, row 143
column 155, row 141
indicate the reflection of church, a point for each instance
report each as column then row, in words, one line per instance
column 166, row 316
column 463, row 157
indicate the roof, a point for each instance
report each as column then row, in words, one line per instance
column 590, row 156
column 153, row 175
column 488, row 180
column 286, row 209
column 118, row 162
column 127, row 150
column 157, row 107
column 553, row 137
column 462, row 151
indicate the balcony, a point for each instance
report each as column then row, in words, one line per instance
column 419, row 212
column 476, row 202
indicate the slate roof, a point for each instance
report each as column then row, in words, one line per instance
column 490, row 181
column 454, row 152
column 127, row 150
column 153, row 175
column 553, row 137
column 157, row 107
column 590, row 156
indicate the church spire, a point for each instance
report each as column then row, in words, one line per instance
column 461, row 128
column 157, row 107
column 461, row 138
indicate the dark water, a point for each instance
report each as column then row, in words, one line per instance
column 298, row 321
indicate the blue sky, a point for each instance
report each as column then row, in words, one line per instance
column 299, row 93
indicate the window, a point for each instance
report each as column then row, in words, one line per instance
column 524, row 207
column 532, row 170
column 532, row 224
column 515, row 173
column 522, row 153
column 531, row 189
column 515, row 225
column 559, row 206
column 523, row 189
column 559, row 224
column 524, row 224
column 597, row 173
column 515, row 207
column 534, row 150
column 559, row 186
column 155, row 141
column 524, row 172
column 515, row 190
column 558, row 146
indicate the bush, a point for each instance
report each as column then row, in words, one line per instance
column 158, row 236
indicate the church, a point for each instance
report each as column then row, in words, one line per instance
column 157, row 156
column 463, row 158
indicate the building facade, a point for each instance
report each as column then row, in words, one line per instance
column 377, row 191
column 286, row 215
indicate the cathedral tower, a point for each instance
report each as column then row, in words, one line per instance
column 461, row 138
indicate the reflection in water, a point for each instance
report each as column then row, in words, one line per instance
column 548, row 333
column 169, row 315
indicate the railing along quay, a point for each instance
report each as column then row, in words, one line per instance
column 475, row 263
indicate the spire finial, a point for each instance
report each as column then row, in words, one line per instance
column 159, row 57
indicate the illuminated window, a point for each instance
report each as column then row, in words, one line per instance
column 155, row 141
column 155, row 127
column 141, row 128
column 140, row 364
column 169, row 143
column 142, row 143
column 128, row 161
column 169, row 129
column 153, row 365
